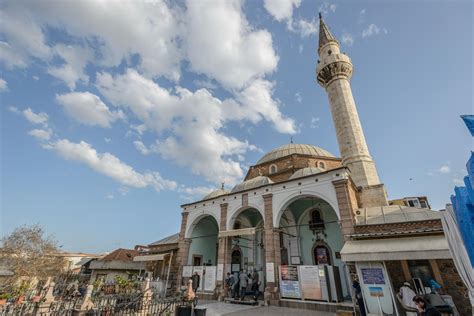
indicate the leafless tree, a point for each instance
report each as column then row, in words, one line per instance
column 28, row 253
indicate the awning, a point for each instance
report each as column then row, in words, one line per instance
column 238, row 232
column 157, row 257
column 409, row 248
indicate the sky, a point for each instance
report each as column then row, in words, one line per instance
column 114, row 113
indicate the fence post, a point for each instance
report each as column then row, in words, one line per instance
column 45, row 304
column 86, row 303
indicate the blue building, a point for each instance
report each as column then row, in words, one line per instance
column 463, row 200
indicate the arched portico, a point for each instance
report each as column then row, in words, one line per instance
column 203, row 234
column 310, row 234
column 235, row 213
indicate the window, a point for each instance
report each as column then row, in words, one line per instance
column 322, row 165
column 423, row 204
column 421, row 269
column 316, row 222
column 414, row 203
column 273, row 169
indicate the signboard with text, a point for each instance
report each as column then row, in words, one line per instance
column 289, row 282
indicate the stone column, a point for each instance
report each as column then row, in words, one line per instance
column 48, row 297
column 86, row 304
column 347, row 202
column 183, row 251
column 223, row 252
column 272, row 247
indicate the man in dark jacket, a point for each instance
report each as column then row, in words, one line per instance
column 196, row 279
column 424, row 307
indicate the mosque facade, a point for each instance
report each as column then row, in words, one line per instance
column 301, row 208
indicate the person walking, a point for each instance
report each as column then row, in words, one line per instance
column 244, row 281
column 196, row 279
column 255, row 284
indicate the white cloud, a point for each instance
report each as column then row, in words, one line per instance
column 298, row 97
column 314, row 122
column 110, row 196
column 41, row 134
column 373, row 29
column 219, row 32
column 300, row 48
column 3, row 85
column 327, row 7
column 458, row 182
column 195, row 120
column 305, row 28
column 281, row 9
column 40, row 118
column 75, row 59
column 444, row 169
column 362, row 15
column 115, row 39
column 88, row 109
column 142, row 148
column 347, row 39
column 109, row 165
column 107, row 140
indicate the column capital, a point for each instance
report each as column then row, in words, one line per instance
column 267, row 196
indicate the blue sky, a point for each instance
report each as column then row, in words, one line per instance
column 114, row 114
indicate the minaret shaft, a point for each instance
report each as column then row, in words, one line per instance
column 333, row 72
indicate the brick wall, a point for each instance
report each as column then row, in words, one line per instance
column 400, row 227
column 286, row 166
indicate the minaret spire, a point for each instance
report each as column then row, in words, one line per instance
column 334, row 70
column 325, row 35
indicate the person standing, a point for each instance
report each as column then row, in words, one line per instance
column 359, row 298
column 244, row 281
column 196, row 279
column 229, row 282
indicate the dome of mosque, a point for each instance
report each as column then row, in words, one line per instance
column 290, row 149
column 251, row 183
column 305, row 172
column 215, row 194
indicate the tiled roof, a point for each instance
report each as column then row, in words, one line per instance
column 121, row 254
column 172, row 239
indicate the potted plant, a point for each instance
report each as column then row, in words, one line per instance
column 4, row 297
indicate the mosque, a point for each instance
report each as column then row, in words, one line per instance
column 302, row 214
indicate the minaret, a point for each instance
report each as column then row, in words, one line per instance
column 334, row 71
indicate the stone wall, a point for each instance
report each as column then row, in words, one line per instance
column 454, row 286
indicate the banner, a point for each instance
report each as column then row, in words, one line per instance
column 289, row 282
column 187, row 271
column 210, row 278
column 310, row 286
column 220, row 272
column 270, row 269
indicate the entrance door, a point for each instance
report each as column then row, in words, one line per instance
column 322, row 255
column 236, row 261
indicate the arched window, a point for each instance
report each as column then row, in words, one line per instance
column 322, row 165
column 273, row 169
column 316, row 221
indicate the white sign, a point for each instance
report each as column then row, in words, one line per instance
column 220, row 272
column 270, row 268
column 187, row 271
column 309, row 278
column 210, row 278
column 199, row 270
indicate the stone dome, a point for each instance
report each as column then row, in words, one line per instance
column 251, row 183
column 305, row 172
column 290, row 149
column 215, row 194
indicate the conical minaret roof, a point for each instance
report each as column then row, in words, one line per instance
column 325, row 35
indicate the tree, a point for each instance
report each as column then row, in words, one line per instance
column 28, row 253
